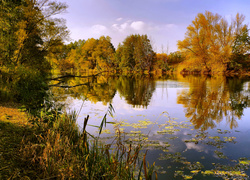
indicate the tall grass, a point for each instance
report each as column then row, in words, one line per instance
column 59, row 150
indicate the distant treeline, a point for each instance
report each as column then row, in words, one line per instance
column 135, row 54
column 212, row 45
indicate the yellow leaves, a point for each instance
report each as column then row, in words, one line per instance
column 244, row 162
column 21, row 35
column 9, row 112
column 209, row 39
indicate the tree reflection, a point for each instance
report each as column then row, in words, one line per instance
column 137, row 90
column 209, row 100
column 94, row 89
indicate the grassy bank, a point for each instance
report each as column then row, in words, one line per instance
column 53, row 147
column 13, row 128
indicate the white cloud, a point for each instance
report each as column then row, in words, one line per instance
column 115, row 26
column 99, row 29
column 199, row 148
column 129, row 27
column 119, row 19
column 159, row 34
column 124, row 26
column 120, row 27
column 138, row 25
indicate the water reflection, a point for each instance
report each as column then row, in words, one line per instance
column 137, row 90
column 209, row 100
column 183, row 147
column 94, row 89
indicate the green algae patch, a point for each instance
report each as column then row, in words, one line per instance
column 244, row 162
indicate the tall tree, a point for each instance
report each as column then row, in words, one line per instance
column 104, row 53
column 28, row 33
column 31, row 32
column 209, row 39
column 240, row 57
column 136, row 53
column 88, row 61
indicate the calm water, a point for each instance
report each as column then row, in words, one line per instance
column 188, row 124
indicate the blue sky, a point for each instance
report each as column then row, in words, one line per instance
column 164, row 21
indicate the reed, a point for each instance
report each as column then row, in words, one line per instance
column 58, row 149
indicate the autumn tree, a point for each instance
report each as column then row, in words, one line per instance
column 88, row 61
column 104, row 53
column 28, row 32
column 210, row 100
column 136, row 53
column 67, row 56
column 161, row 61
column 209, row 39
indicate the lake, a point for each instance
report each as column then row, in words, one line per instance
column 192, row 126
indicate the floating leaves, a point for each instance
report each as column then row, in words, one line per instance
column 244, row 161
column 226, row 174
column 230, row 139
column 223, row 132
column 140, row 125
column 167, row 131
column 170, row 131
column 220, row 154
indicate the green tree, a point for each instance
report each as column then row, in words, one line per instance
column 137, row 90
column 136, row 53
column 175, row 58
column 240, row 57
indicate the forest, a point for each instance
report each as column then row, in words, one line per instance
column 35, row 48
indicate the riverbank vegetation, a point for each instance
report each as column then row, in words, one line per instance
column 212, row 45
column 49, row 144
column 53, row 147
column 29, row 32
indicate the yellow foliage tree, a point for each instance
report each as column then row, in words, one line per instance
column 208, row 41
column 88, row 61
column 104, row 53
